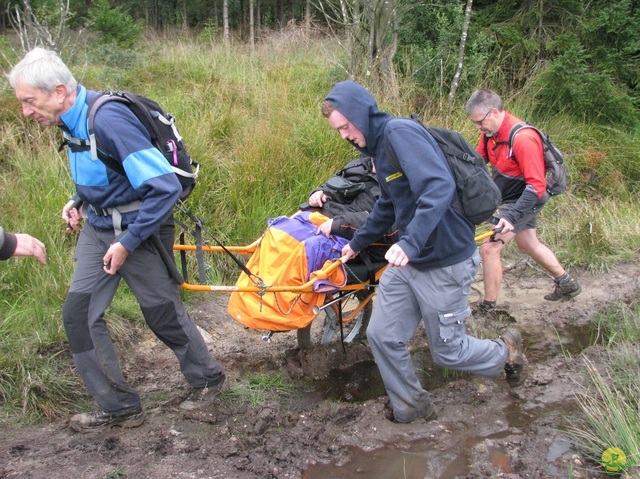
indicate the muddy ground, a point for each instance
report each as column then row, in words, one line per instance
column 333, row 423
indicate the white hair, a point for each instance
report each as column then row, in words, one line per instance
column 42, row 69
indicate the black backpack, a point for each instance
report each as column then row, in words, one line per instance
column 477, row 197
column 555, row 169
column 161, row 127
column 344, row 186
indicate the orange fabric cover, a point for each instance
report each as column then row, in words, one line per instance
column 282, row 260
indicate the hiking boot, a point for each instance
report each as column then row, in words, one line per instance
column 201, row 397
column 423, row 411
column 514, row 365
column 490, row 310
column 485, row 306
column 99, row 420
column 564, row 291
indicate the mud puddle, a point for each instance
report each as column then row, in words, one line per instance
column 481, row 440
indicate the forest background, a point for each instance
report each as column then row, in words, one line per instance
column 245, row 81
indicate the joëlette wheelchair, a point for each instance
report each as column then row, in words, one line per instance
column 347, row 309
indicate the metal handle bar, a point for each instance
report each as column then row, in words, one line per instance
column 303, row 288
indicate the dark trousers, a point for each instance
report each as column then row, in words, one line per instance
column 92, row 291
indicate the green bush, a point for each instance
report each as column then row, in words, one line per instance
column 209, row 33
column 114, row 24
column 570, row 85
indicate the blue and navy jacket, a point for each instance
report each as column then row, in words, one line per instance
column 149, row 178
column 432, row 233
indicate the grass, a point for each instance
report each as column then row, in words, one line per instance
column 259, row 389
column 116, row 473
column 609, row 401
column 610, row 418
column 251, row 118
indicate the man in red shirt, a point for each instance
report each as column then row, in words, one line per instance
column 522, row 181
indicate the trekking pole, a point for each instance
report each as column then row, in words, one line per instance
column 488, row 234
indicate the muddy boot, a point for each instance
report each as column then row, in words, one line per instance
column 424, row 410
column 201, row 397
column 97, row 421
column 565, row 288
column 485, row 306
column 516, row 360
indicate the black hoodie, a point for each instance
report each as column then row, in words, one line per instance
column 432, row 233
column 8, row 244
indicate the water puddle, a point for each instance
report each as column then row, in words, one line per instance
column 545, row 342
column 355, row 384
column 445, row 457
column 437, row 457
column 362, row 381
column 417, row 460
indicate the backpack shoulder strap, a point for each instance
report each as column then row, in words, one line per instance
column 96, row 151
column 391, row 157
column 517, row 128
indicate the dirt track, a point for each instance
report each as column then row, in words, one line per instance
column 483, row 427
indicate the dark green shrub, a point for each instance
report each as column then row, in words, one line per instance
column 572, row 83
column 114, row 24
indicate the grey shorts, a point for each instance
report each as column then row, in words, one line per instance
column 527, row 222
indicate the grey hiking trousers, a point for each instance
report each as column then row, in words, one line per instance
column 92, row 291
column 439, row 297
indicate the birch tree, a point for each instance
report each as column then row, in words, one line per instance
column 225, row 23
column 463, row 42
column 185, row 23
column 252, row 28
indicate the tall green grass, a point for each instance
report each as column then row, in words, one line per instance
column 251, row 118
column 609, row 400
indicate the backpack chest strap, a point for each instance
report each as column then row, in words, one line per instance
column 77, row 145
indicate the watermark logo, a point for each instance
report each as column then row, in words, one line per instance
column 614, row 460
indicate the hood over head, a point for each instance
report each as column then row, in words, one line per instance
column 360, row 108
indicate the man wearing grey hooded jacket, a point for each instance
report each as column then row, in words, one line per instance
column 431, row 267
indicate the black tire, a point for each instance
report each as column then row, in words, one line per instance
column 354, row 329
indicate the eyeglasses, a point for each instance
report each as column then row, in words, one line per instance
column 479, row 122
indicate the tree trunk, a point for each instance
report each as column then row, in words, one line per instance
column 225, row 23
column 280, row 13
column 463, row 42
column 185, row 24
column 243, row 21
column 155, row 14
column 258, row 20
column 252, row 31
column 345, row 14
column 377, row 66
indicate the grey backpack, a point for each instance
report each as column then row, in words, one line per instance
column 555, row 169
